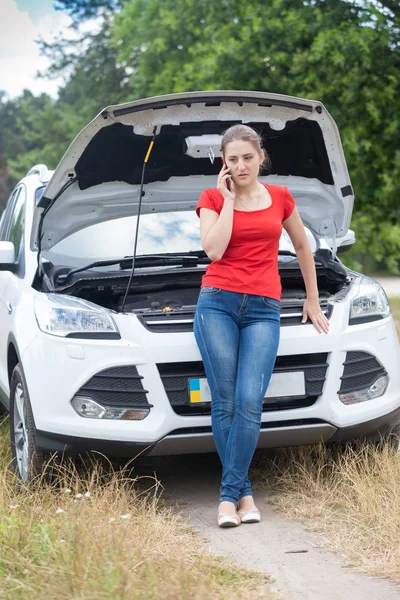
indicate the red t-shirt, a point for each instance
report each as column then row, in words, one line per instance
column 250, row 262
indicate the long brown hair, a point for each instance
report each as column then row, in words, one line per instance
column 244, row 133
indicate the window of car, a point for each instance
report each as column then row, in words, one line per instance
column 177, row 231
column 16, row 223
column 39, row 193
column 8, row 212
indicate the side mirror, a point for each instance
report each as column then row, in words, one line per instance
column 7, row 257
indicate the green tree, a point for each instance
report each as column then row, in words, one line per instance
column 345, row 53
column 10, row 145
column 31, row 132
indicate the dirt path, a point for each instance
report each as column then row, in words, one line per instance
column 295, row 558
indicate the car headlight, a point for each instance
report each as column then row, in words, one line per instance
column 368, row 301
column 67, row 316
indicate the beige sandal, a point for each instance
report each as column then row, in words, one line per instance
column 228, row 520
column 252, row 516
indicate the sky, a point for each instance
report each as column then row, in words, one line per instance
column 21, row 23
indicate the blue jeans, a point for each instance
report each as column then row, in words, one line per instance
column 238, row 336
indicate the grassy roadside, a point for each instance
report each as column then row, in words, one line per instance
column 100, row 536
column 351, row 496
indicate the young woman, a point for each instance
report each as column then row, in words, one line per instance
column 237, row 318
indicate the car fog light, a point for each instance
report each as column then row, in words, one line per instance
column 137, row 414
column 86, row 407
column 378, row 388
column 89, row 408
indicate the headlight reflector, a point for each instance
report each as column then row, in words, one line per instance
column 63, row 316
column 368, row 301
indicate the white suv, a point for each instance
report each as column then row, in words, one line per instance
column 96, row 347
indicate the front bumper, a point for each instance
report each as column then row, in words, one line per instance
column 71, row 363
column 281, row 435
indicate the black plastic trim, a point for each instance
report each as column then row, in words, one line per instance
column 13, row 267
column 169, row 326
column 347, row 190
column 94, row 336
column 361, row 370
column 117, row 387
column 369, row 319
column 69, row 445
column 175, row 377
column 43, row 202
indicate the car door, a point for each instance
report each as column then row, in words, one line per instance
column 12, row 228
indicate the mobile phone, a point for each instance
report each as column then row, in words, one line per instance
column 227, row 181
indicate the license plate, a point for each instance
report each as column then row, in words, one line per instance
column 199, row 391
column 284, row 385
column 281, row 385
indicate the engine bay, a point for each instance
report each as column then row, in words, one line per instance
column 172, row 290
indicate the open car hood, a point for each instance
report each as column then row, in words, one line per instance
column 99, row 176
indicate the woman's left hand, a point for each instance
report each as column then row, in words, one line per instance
column 312, row 311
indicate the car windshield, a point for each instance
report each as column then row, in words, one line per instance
column 159, row 233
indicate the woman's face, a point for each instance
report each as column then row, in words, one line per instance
column 243, row 161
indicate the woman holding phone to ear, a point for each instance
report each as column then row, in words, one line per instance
column 237, row 321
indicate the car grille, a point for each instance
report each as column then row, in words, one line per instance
column 168, row 322
column 361, row 370
column 181, row 320
column 116, row 387
column 175, row 377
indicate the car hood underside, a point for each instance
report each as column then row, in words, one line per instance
column 99, row 176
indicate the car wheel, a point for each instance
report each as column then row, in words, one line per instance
column 27, row 459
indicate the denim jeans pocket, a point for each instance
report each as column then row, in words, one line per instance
column 272, row 303
column 209, row 290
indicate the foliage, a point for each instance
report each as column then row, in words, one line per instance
column 345, row 53
column 86, row 9
column 377, row 245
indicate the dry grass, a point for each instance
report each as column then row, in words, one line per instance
column 351, row 496
column 100, row 535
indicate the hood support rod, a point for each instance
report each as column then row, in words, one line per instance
column 46, row 209
column 146, row 159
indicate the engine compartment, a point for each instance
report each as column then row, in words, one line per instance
column 170, row 290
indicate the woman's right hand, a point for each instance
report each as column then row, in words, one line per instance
column 222, row 186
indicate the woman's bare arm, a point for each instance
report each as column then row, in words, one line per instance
column 216, row 229
column 295, row 228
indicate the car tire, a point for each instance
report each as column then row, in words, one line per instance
column 27, row 459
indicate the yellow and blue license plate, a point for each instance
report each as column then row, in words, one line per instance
column 199, row 390
column 282, row 385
